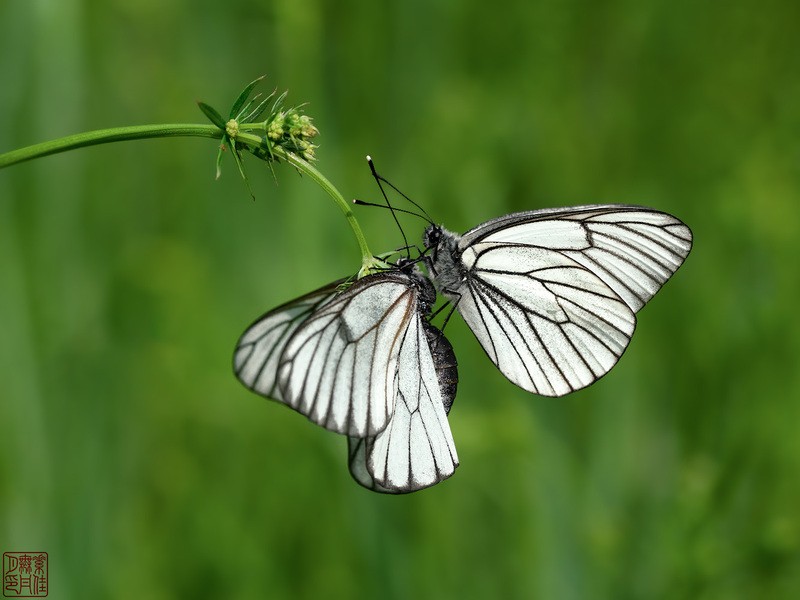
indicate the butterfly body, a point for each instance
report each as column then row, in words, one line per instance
column 444, row 360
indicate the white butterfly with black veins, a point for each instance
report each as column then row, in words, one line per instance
column 552, row 294
column 357, row 360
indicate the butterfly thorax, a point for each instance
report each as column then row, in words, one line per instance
column 445, row 264
column 426, row 292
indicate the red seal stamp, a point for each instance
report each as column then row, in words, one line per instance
column 25, row 574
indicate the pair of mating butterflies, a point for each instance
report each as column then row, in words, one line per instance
column 550, row 294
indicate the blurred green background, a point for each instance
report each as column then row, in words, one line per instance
column 131, row 454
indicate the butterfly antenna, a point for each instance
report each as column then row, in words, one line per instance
column 394, row 208
column 378, row 180
column 424, row 214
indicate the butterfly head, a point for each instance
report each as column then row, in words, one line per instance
column 432, row 237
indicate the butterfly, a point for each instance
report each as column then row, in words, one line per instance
column 552, row 294
column 360, row 358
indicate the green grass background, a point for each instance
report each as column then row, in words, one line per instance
column 130, row 453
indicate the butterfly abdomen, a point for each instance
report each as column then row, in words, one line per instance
column 444, row 361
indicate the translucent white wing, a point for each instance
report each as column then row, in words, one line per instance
column 551, row 295
column 255, row 360
column 416, row 450
column 332, row 355
column 339, row 365
column 357, row 462
column 632, row 249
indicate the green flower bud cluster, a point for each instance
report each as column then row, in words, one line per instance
column 284, row 131
column 292, row 131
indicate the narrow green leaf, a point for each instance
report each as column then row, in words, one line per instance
column 221, row 151
column 258, row 110
column 241, row 115
column 212, row 115
column 240, row 164
column 279, row 101
column 243, row 98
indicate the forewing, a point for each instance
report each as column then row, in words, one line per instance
column 416, row 450
column 632, row 249
column 552, row 295
column 255, row 360
column 339, row 366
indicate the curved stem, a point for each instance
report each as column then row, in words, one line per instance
column 138, row 132
column 367, row 259
column 104, row 136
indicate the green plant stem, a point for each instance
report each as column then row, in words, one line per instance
column 367, row 260
column 139, row 132
column 105, row 136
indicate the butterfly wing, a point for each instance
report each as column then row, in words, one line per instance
column 632, row 249
column 551, row 295
column 416, row 450
column 339, row 366
column 332, row 355
column 255, row 360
